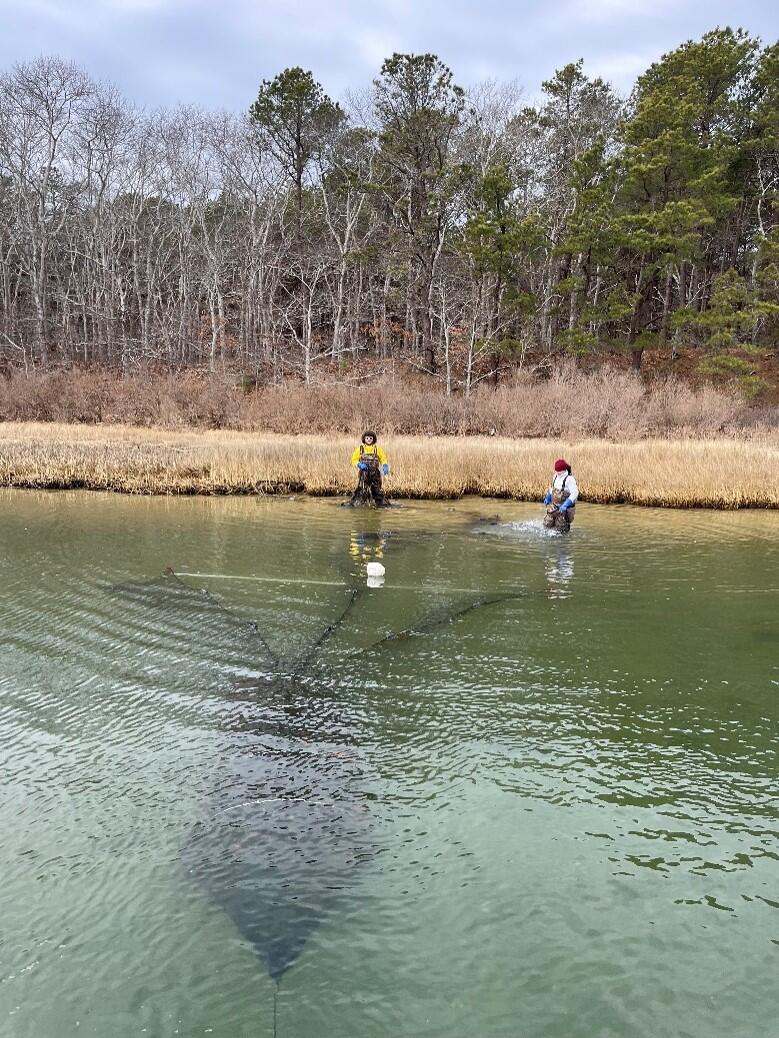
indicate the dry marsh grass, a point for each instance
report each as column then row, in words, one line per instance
column 672, row 473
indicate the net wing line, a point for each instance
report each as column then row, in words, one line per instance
column 305, row 659
column 394, row 637
column 251, row 625
column 278, row 663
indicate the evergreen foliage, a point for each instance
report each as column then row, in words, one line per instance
column 457, row 230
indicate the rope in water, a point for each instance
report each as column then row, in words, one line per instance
column 305, row 658
column 242, row 620
column 389, row 639
column 326, row 583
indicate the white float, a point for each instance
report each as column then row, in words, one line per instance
column 375, row 572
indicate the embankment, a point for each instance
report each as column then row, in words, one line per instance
column 681, row 473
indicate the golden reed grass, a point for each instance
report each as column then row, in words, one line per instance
column 671, row 473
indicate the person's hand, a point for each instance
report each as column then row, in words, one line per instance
column 385, row 469
column 362, row 465
column 548, row 499
column 566, row 505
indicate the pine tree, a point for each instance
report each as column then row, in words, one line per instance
column 294, row 116
column 672, row 184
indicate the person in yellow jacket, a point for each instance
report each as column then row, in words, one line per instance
column 371, row 463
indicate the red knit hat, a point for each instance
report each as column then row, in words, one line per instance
column 561, row 465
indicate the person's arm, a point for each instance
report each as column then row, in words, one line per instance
column 356, row 457
column 381, row 455
column 548, row 496
column 572, row 490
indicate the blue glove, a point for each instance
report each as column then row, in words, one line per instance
column 363, row 465
column 385, row 469
column 566, row 504
column 548, row 499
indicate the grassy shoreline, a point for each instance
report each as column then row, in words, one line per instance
column 720, row 473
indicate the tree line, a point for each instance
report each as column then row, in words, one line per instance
column 461, row 231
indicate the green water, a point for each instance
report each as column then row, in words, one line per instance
column 560, row 809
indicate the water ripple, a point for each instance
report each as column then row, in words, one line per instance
column 556, row 816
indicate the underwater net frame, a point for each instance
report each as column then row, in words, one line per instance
column 267, row 913
column 356, row 592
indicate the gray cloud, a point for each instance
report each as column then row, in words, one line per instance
column 162, row 52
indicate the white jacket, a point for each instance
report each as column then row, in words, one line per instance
column 571, row 486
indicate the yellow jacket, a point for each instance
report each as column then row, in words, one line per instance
column 373, row 449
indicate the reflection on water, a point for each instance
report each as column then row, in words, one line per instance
column 367, row 546
column 553, row 813
column 559, row 572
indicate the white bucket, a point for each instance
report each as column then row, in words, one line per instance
column 375, row 569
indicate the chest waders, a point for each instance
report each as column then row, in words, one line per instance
column 369, row 489
column 554, row 518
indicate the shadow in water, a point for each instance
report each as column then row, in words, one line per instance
column 281, row 841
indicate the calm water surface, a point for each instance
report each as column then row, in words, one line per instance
column 554, row 815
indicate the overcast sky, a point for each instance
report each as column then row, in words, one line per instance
column 215, row 54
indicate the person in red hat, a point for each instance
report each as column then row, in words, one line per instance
column 561, row 497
